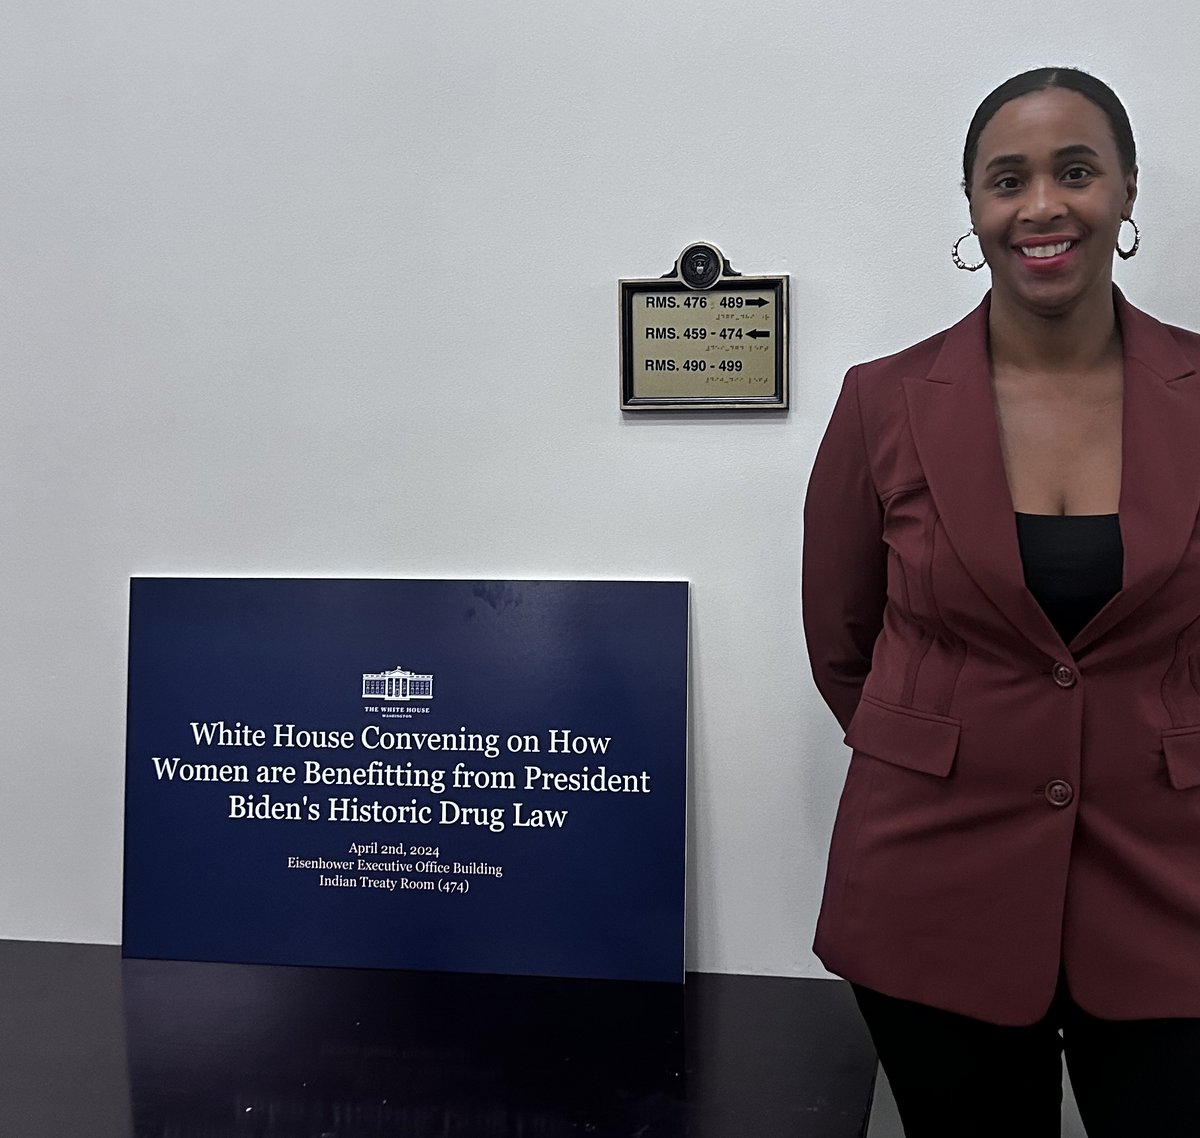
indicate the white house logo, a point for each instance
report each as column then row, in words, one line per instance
column 397, row 685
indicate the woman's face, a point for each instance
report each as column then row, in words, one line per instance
column 1047, row 198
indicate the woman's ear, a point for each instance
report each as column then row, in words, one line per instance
column 1130, row 191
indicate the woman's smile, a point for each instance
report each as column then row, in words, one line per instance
column 1047, row 254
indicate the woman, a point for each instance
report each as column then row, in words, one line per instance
column 1002, row 606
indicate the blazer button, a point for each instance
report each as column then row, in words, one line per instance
column 1063, row 675
column 1059, row 793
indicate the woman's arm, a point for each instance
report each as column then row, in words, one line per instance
column 845, row 560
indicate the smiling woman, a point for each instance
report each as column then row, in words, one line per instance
column 1002, row 607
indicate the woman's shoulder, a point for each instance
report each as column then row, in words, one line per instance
column 1185, row 338
column 964, row 341
column 1167, row 348
column 914, row 360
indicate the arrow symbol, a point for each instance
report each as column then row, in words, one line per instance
column 757, row 302
column 757, row 334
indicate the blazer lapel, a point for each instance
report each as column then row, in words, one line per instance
column 953, row 419
column 1160, row 464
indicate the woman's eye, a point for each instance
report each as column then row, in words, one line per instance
column 1077, row 173
column 1008, row 182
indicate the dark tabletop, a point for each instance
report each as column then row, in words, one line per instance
column 92, row 1046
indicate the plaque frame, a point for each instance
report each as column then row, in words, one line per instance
column 693, row 273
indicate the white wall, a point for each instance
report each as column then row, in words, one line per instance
column 262, row 262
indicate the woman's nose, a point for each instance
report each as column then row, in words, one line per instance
column 1043, row 200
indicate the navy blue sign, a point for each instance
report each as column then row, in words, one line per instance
column 470, row 776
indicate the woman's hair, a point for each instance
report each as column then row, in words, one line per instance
column 1042, row 79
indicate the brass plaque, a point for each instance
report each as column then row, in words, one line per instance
column 704, row 337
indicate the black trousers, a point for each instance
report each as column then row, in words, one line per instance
column 957, row 1077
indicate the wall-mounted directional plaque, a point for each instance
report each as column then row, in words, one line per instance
column 704, row 337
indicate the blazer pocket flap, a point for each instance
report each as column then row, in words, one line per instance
column 918, row 740
column 1182, row 749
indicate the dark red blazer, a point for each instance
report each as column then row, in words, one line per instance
column 1012, row 803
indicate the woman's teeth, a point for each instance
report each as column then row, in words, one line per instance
column 1046, row 250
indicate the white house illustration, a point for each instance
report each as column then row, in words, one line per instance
column 397, row 685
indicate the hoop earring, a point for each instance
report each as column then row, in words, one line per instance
column 959, row 262
column 1125, row 254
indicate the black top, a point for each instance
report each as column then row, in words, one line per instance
column 1073, row 565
